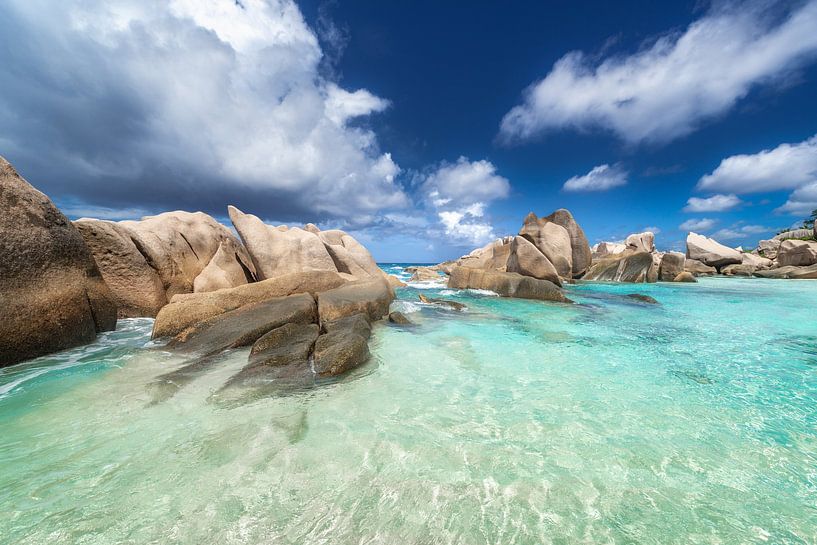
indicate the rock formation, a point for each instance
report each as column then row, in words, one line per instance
column 627, row 267
column 798, row 253
column 552, row 240
column 672, row 264
column 580, row 248
column 527, row 260
column 52, row 295
column 506, row 284
column 710, row 252
column 641, row 242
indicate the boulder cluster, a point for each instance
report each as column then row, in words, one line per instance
column 272, row 289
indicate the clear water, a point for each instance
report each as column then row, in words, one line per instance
column 610, row 421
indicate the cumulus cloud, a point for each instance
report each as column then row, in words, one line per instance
column 600, row 178
column 788, row 166
column 698, row 224
column 739, row 232
column 188, row 104
column 715, row 203
column 674, row 84
column 801, row 201
column 459, row 193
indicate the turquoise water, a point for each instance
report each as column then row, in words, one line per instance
column 609, row 421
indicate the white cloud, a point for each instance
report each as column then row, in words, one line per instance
column 715, row 203
column 739, row 232
column 156, row 97
column 801, row 201
column 600, row 178
column 460, row 193
column 652, row 229
column 698, row 224
column 671, row 86
column 787, row 166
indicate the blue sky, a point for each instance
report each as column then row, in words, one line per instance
column 425, row 128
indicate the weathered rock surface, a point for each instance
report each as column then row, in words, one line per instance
column 698, row 269
column 789, row 271
column 768, row 248
column 627, row 267
column 453, row 305
column 582, row 256
column 397, row 317
column 685, row 276
column 552, row 240
column 738, row 270
column 370, row 297
column 672, row 264
column 603, row 249
column 797, row 253
column 527, row 260
column 506, row 284
column 349, row 255
column 710, row 252
column 245, row 325
column 794, row 233
column 395, row 282
column 641, row 242
column 492, row 256
column 179, row 245
column 640, row 297
column 343, row 346
column 277, row 252
column 134, row 284
column 425, row 274
column 52, row 295
column 186, row 310
column 756, row 261
column 225, row 269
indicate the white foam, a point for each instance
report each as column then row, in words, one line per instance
column 406, row 307
column 427, row 285
column 482, row 292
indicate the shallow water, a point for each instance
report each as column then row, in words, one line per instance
column 608, row 421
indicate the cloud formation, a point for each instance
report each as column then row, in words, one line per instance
column 698, row 225
column 715, row 203
column 600, row 178
column 738, row 232
column 674, row 84
column 153, row 103
column 459, row 193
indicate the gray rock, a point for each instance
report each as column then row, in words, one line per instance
column 672, row 264
column 343, row 347
column 642, row 298
column 52, row 295
column 506, row 284
column 399, row 318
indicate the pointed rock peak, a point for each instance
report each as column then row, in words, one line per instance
column 312, row 228
column 531, row 218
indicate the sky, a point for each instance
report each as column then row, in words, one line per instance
column 424, row 128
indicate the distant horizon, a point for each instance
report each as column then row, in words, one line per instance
column 425, row 130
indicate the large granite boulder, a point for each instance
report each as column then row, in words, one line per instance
column 506, row 284
column 492, row 256
column 697, row 268
column 626, row 267
column 52, row 295
column 368, row 297
column 641, row 242
column 349, row 255
column 343, row 346
column 225, row 270
column 135, row 285
column 552, row 240
column 581, row 254
column 768, row 248
column 527, row 260
column 603, row 249
column 276, row 251
column 797, row 253
column 179, row 245
column 710, row 252
column 672, row 264
column 756, row 261
column 244, row 325
column 186, row 310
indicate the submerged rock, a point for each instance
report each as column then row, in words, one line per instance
column 52, row 295
column 506, row 284
column 399, row 318
column 453, row 305
column 642, row 298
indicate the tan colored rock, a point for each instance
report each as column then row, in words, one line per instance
column 789, row 271
column 369, row 297
column 506, row 284
column 797, row 253
column 641, row 242
column 710, row 252
column 685, row 276
column 224, row 271
column 794, row 233
column 189, row 309
column 603, row 249
column 756, row 261
column 672, row 264
column 395, row 282
column 768, row 248
column 582, row 256
column 698, row 269
column 277, row 252
column 349, row 254
column 179, row 245
column 626, row 267
column 492, row 256
column 527, row 260
column 739, row 270
column 342, row 347
column 425, row 274
column 134, row 284
column 52, row 295
column 552, row 240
